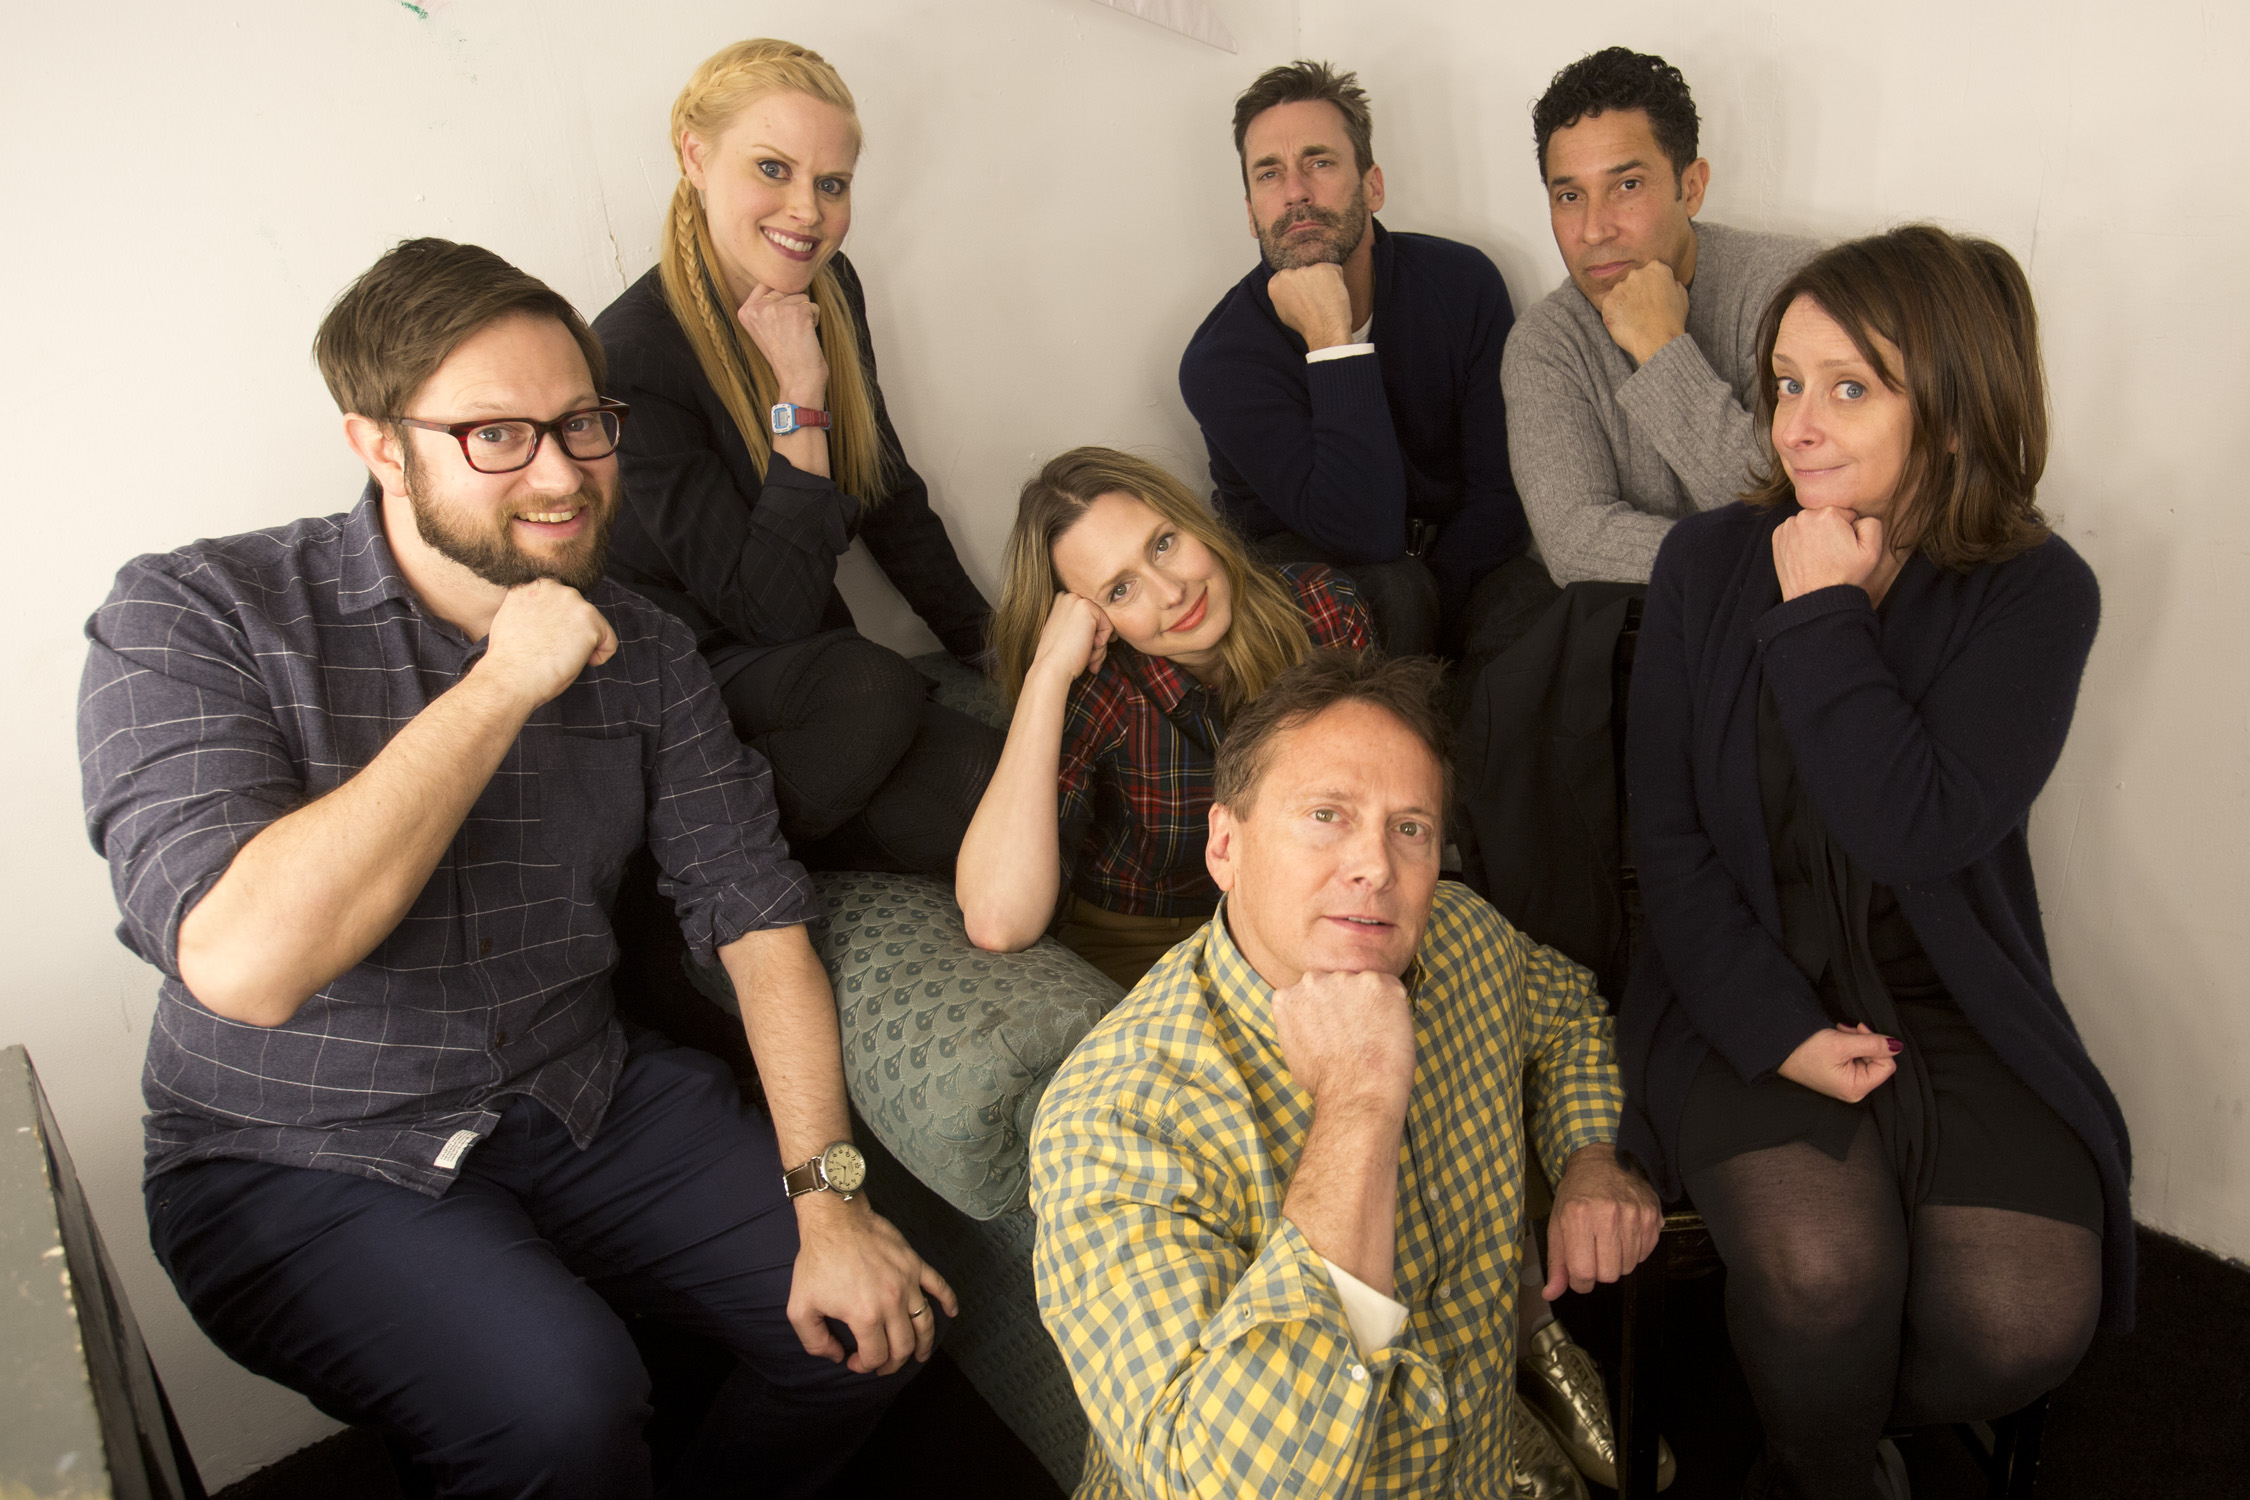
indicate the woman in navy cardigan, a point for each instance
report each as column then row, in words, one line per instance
column 1846, row 1044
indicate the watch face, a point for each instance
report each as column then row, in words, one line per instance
column 845, row 1167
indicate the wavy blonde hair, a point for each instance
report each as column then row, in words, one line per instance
column 1265, row 638
column 729, row 80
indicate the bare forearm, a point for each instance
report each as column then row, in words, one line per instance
column 314, row 893
column 789, row 1015
column 1010, row 869
column 1344, row 1197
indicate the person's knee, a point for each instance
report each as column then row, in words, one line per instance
column 552, row 1427
column 1403, row 598
column 1820, row 1285
column 1997, row 1353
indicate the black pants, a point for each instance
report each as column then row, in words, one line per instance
column 870, row 773
column 1402, row 596
column 1409, row 616
column 480, row 1331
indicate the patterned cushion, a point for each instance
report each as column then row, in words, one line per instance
column 947, row 1048
column 965, row 691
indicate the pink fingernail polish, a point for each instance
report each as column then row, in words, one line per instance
column 1894, row 1044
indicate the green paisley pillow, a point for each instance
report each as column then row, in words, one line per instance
column 948, row 1048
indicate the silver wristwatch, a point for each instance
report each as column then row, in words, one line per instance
column 840, row 1169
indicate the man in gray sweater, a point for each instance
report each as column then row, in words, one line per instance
column 1629, row 387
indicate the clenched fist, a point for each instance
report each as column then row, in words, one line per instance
column 786, row 328
column 1074, row 639
column 1646, row 310
column 1314, row 301
column 1843, row 1062
column 1827, row 545
column 1348, row 1040
column 542, row 637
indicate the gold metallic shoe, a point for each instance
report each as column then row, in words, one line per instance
column 1560, row 1382
column 1538, row 1469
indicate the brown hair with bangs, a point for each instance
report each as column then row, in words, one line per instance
column 406, row 314
column 1959, row 312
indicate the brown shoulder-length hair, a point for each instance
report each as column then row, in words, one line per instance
column 1959, row 312
column 1266, row 636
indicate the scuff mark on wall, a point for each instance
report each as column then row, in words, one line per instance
column 1193, row 18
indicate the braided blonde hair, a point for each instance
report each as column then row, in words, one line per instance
column 727, row 82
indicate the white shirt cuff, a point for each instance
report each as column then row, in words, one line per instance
column 1337, row 351
column 1375, row 1318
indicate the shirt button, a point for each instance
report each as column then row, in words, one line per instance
column 476, row 850
column 1461, row 1389
column 1359, row 1374
column 484, row 947
column 500, row 1040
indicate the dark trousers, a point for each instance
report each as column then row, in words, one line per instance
column 870, row 774
column 1409, row 616
column 1401, row 597
column 480, row 1331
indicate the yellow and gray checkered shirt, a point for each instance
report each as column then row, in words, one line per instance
column 1201, row 1328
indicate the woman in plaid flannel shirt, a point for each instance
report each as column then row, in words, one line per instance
column 1131, row 627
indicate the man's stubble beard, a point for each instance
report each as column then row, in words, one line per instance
column 496, row 558
column 1344, row 231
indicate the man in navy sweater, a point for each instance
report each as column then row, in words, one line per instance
column 1349, row 386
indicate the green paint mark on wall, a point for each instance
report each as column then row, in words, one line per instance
column 410, row 5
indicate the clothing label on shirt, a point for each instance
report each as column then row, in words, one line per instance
column 450, row 1157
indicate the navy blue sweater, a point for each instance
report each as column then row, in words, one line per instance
column 1922, row 733
column 1345, row 451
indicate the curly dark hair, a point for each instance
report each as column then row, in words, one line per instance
column 1301, row 82
column 1618, row 78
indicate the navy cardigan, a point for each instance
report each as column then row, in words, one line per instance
column 1345, row 451
column 747, row 562
column 1922, row 733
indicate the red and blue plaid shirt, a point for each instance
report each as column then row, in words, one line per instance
column 1136, row 787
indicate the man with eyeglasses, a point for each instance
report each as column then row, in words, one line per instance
column 366, row 784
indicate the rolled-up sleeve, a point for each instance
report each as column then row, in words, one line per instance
column 181, row 757
column 1206, row 1368
column 1573, row 1089
column 713, row 825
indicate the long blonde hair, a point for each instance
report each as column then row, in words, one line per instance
column 729, row 80
column 1266, row 636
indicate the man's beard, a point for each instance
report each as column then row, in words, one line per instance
column 1339, row 237
column 494, row 556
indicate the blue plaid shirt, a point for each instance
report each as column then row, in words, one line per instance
column 233, row 681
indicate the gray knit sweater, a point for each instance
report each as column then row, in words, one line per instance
column 1607, row 456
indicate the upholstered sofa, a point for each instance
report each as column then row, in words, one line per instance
column 947, row 1052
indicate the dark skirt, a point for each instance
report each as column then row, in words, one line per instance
column 1992, row 1143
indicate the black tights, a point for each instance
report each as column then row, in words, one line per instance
column 870, row 774
column 1847, row 1320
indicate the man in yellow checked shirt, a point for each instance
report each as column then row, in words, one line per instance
column 1279, row 1187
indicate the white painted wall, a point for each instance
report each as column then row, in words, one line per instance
column 1048, row 206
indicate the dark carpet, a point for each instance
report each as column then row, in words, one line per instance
column 2161, row 1412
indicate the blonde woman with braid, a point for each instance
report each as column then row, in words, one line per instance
column 760, row 447
column 1132, row 627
